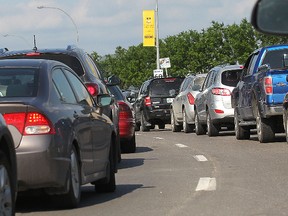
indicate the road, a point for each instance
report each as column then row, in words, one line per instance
column 182, row 174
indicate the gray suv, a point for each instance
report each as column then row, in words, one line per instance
column 213, row 103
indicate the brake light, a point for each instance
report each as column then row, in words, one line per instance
column 147, row 101
column 221, row 91
column 32, row 123
column 92, row 88
column 191, row 99
column 33, row 54
column 124, row 110
column 268, row 85
column 219, row 111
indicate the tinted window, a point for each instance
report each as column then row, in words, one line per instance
column 230, row 77
column 275, row 58
column 166, row 87
column 197, row 83
column 116, row 92
column 62, row 87
column 81, row 91
column 18, row 82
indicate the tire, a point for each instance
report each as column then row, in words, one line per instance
column 199, row 128
column 265, row 132
column 129, row 146
column 187, row 128
column 144, row 128
column 108, row 184
column 212, row 129
column 285, row 121
column 72, row 198
column 152, row 126
column 137, row 126
column 240, row 132
column 7, row 187
column 161, row 126
column 174, row 126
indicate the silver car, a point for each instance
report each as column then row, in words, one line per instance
column 182, row 108
column 213, row 103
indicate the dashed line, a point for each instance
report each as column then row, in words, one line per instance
column 181, row 145
column 158, row 138
column 200, row 158
column 206, row 184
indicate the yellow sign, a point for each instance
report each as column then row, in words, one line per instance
column 148, row 28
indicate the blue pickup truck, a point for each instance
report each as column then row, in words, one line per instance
column 258, row 97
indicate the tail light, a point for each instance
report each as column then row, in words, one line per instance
column 31, row 123
column 191, row 99
column 218, row 111
column 33, row 54
column 221, row 92
column 147, row 101
column 92, row 88
column 268, row 85
column 124, row 110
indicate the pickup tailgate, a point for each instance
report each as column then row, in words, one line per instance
column 279, row 86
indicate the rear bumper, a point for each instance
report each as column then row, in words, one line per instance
column 156, row 115
column 39, row 166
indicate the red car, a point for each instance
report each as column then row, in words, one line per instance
column 126, row 121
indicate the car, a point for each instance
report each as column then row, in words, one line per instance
column 126, row 121
column 152, row 106
column 82, row 63
column 213, row 103
column 182, row 107
column 8, row 170
column 62, row 137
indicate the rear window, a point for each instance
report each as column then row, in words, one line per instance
column 166, row 87
column 116, row 92
column 274, row 58
column 231, row 77
column 18, row 82
column 197, row 83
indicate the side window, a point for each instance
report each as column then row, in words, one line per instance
column 80, row 90
column 206, row 81
column 63, row 87
column 185, row 83
column 144, row 88
column 252, row 64
column 93, row 67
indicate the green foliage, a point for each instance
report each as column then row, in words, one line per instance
column 189, row 52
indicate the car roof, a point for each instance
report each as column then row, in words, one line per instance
column 25, row 62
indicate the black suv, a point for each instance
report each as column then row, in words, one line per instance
column 152, row 106
column 83, row 64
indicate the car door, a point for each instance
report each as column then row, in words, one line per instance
column 80, row 118
column 245, row 87
column 100, row 124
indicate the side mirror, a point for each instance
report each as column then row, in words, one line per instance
column 270, row 17
column 285, row 60
column 103, row 100
column 264, row 68
column 113, row 80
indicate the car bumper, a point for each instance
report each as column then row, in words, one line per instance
column 39, row 166
column 159, row 114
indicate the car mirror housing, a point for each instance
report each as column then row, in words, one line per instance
column 270, row 17
column 103, row 100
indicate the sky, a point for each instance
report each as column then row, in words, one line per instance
column 103, row 25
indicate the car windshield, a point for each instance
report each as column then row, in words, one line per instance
column 231, row 77
column 166, row 87
column 18, row 82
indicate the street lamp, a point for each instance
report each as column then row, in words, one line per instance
column 157, row 38
column 56, row 8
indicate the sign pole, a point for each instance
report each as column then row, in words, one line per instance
column 157, row 37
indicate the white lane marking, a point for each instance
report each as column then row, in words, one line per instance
column 181, row 145
column 158, row 138
column 206, row 184
column 200, row 158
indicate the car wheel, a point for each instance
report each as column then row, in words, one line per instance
column 212, row 129
column 144, row 128
column 161, row 126
column 240, row 132
column 72, row 198
column 108, row 184
column 174, row 126
column 285, row 121
column 265, row 132
column 187, row 128
column 199, row 128
column 129, row 146
column 137, row 126
column 7, row 190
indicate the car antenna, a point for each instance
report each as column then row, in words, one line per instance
column 35, row 47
